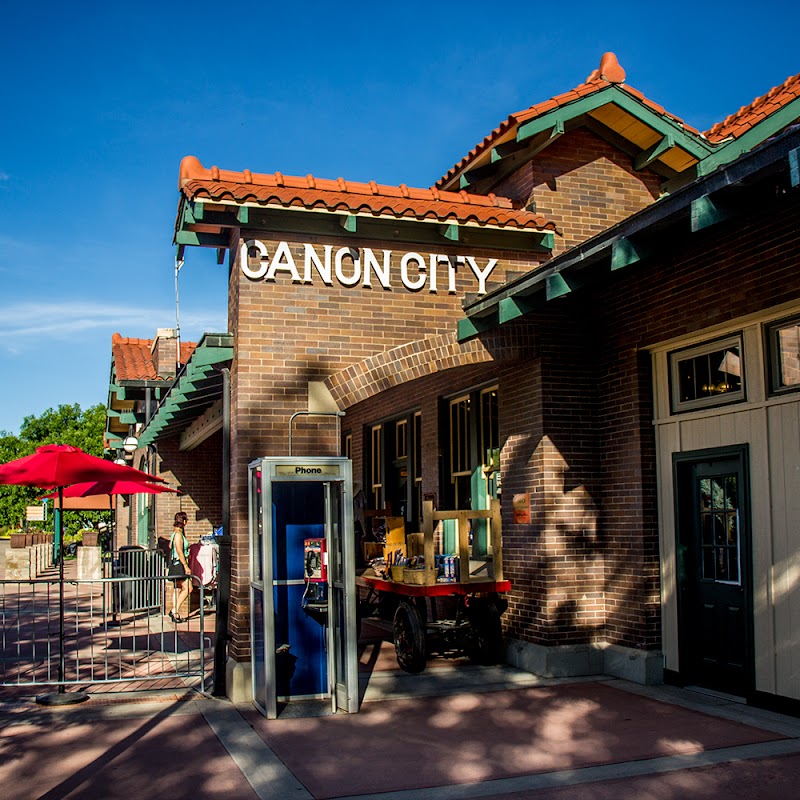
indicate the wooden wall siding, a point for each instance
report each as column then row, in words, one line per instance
column 771, row 428
column 783, row 593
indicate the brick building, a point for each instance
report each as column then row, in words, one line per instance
column 592, row 311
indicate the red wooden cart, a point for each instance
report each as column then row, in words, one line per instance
column 454, row 618
column 467, row 624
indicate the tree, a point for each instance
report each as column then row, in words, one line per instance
column 67, row 424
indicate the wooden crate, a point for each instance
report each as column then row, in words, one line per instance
column 429, row 517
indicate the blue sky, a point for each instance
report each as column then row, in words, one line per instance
column 100, row 101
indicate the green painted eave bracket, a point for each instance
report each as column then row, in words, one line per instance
column 350, row 223
column 130, row 418
column 113, row 414
column 511, row 308
column 624, row 253
column 794, row 166
column 547, row 240
column 243, row 215
column 694, row 145
column 559, row 285
column 647, row 157
column 706, row 212
column 450, row 232
column 470, row 327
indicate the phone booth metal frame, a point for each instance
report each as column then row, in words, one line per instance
column 270, row 482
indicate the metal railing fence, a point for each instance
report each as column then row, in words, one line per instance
column 115, row 630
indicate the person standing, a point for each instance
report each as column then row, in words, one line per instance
column 179, row 571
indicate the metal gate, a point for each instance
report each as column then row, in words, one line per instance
column 115, row 631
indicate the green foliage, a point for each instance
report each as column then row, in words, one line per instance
column 67, row 424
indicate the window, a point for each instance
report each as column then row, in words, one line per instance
column 376, row 466
column 490, row 440
column 348, row 445
column 707, row 375
column 417, row 468
column 460, row 451
column 783, row 346
column 719, row 525
column 394, row 465
column 474, row 448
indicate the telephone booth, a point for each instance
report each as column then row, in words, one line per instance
column 302, row 582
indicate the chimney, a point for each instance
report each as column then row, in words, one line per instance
column 165, row 352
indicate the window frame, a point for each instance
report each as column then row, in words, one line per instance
column 772, row 356
column 676, row 357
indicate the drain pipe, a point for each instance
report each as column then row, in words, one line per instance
column 224, row 576
column 336, row 414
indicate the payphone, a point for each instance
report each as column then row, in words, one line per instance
column 315, row 560
column 302, row 582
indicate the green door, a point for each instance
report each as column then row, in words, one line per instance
column 715, row 597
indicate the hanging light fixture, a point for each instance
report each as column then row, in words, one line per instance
column 129, row 446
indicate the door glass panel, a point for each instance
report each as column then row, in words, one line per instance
column 730, row 491
column 733, row 566
column 708, row 531
column 719, row 526
column 705, row 494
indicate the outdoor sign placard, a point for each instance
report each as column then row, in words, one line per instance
column 522, row 508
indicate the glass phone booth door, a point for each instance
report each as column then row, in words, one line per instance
column 302, row 583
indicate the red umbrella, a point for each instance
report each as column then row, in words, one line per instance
column 109, row 487
column 56, row 465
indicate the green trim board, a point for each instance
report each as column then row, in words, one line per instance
column 728, row 152
column 201, row 239
column 682, row 138
column 277, row 221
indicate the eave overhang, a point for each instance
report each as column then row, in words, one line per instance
column 621, row 115
column 197, row 387
column 217, row 207
column 703, row 203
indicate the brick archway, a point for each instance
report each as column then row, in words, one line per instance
column 410, row 361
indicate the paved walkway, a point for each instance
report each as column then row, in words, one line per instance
column 447, row 734
column 455, row 731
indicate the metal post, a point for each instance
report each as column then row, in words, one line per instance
column 61, row 698
column 224, row 576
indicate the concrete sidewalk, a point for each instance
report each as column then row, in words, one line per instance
column 449, row 733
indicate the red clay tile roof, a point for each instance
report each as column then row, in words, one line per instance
column 133, row 358
column 748, row 116
column 198, row 183
column 609, row 74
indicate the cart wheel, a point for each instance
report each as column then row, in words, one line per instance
column 409, row 638
column 486, row 640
